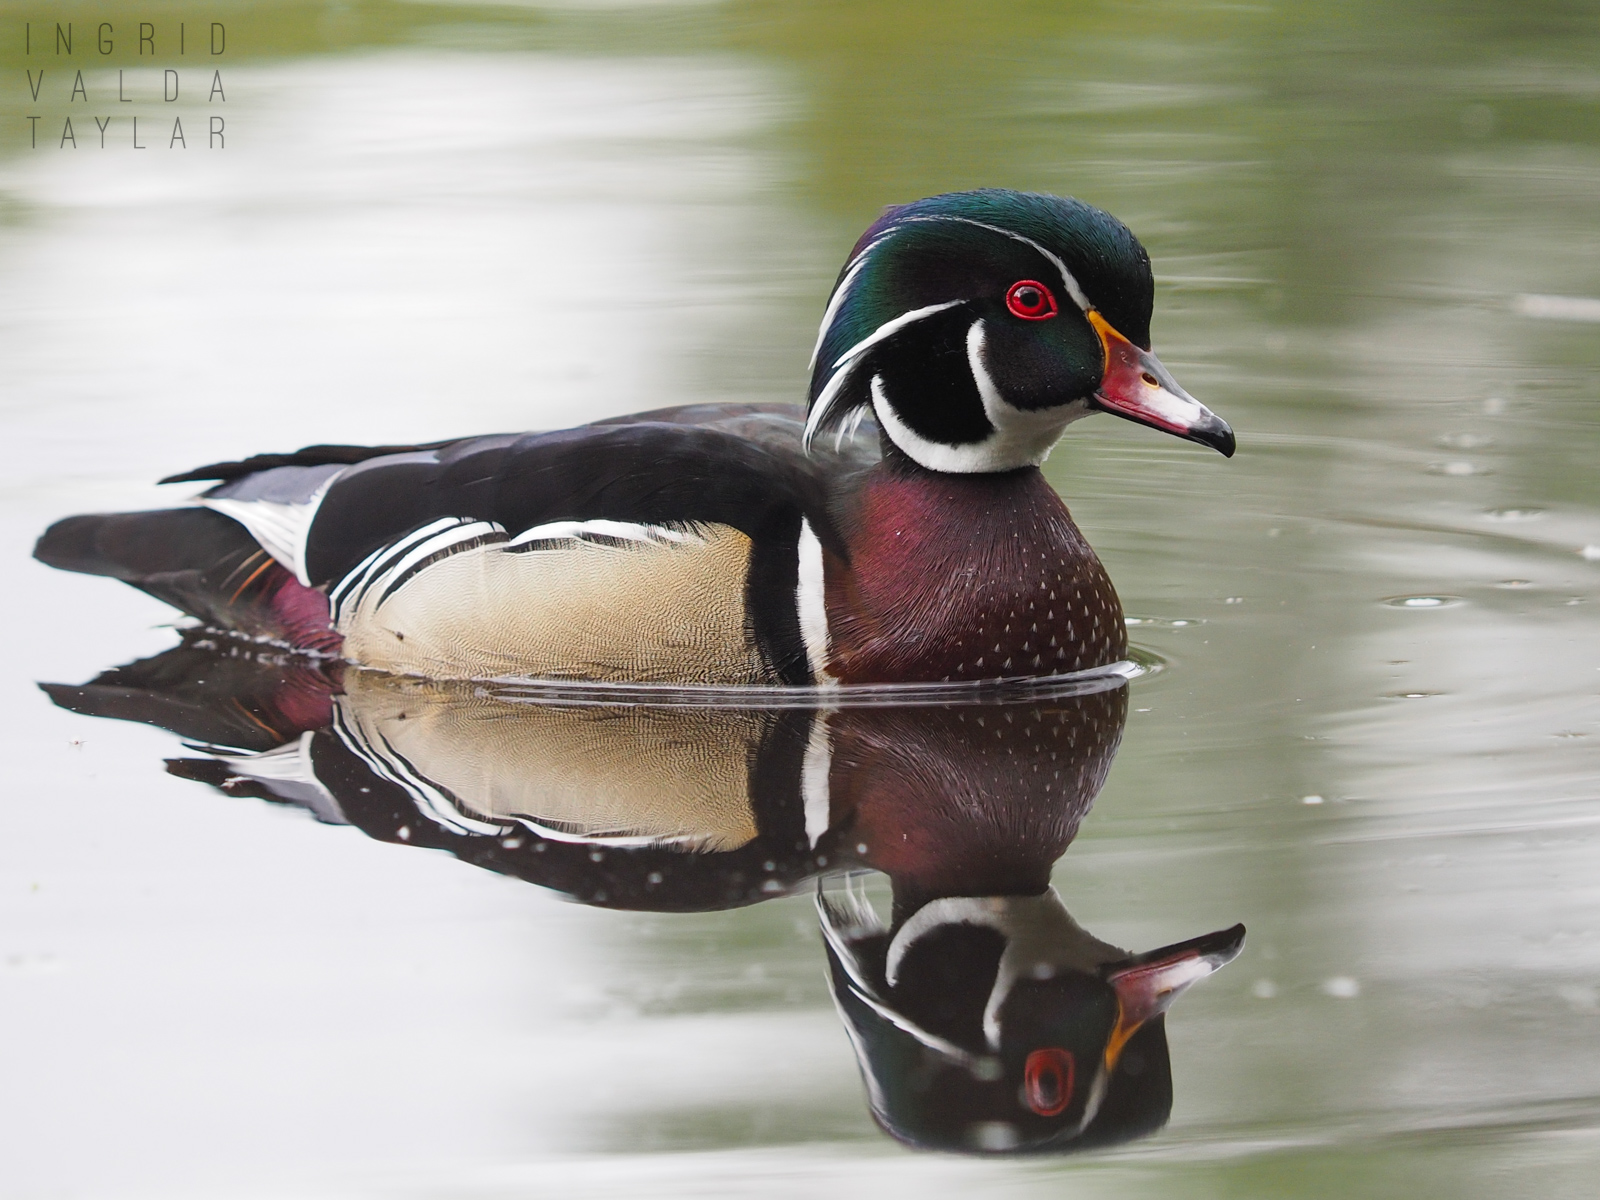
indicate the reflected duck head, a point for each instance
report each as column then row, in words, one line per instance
column 998, row 1025
column 975, row 326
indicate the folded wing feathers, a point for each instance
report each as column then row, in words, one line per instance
column 390, row 567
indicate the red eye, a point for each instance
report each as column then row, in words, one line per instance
column 1047, row 1080
column 1030, row 300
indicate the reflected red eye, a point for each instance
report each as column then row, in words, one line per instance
column 1047, row 1080
column 1030, row 300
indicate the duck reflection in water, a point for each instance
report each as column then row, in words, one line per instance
column 983, row 1017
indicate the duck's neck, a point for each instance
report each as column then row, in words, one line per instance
column 961, row 577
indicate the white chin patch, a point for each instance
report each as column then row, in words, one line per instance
column 1021, row 438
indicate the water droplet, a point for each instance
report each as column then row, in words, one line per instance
column 1422, row 601
column 1264, row 989
column 1342, row 987
column 1310, row 799
column 1410, row 695
column 1464, row 441
column 1591, row 553
column 1458, row 469
column 1515, row 583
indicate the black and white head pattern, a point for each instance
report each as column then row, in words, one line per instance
column 962, row 322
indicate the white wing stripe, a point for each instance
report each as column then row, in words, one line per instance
column 281, row 528
column 468, row 531
column 388, row 562
column 430, row 801
column 626, row 530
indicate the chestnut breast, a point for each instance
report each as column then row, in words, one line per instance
column 963, row 577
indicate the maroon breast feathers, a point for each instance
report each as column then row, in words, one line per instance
column 956, row 577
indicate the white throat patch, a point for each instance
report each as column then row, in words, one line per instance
column 1021, row 438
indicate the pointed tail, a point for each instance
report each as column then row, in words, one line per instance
column 199, row 561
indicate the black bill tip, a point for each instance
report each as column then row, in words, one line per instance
column 1216, row 433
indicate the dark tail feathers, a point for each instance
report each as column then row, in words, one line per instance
column 199, row 561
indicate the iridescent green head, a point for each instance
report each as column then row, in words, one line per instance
column 977, row 325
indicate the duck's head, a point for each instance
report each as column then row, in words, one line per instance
column 998, row 1024
column 977, row 325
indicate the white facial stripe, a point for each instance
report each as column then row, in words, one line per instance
column 1067, row 280
column 847, row 361
column 836, row 301
column 823, row 407
column 935, row 456
column 950, row 910
column 977, row 362
column 1020, row 438
column 892, row 327
column 1024, row 435
column 848, row 431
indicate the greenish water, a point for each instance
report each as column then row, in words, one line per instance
column 1376, row 235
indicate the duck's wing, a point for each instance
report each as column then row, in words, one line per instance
column 306, row 456
column 666, row 549
column 777, row 423
column 777, row 426
column 640, row 473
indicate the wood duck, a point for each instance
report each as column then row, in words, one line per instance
column 898, row 529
